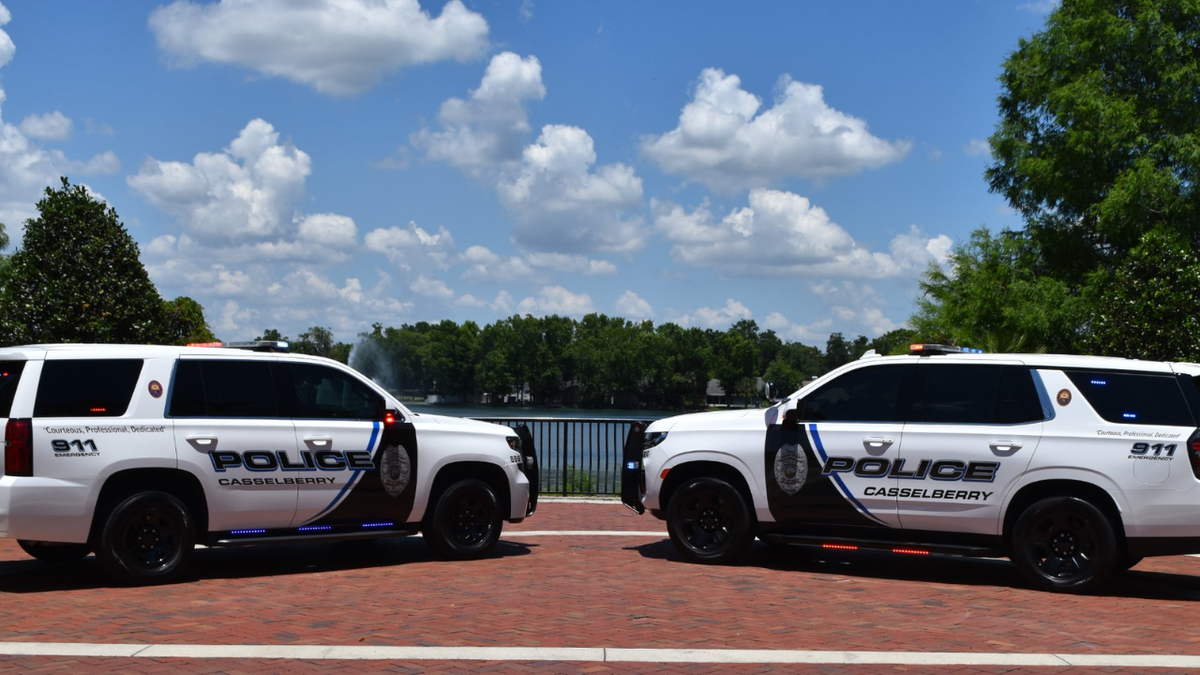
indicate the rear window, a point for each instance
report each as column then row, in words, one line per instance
column 223, row 389
column 1134, row 398
column 10, row 377
column 86, row 388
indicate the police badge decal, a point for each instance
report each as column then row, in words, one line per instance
column 791, row 468
column 394, row 470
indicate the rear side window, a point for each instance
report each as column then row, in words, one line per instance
column 868, row 394
column 1134, row 398
column 319, row 392
column 10, row 377
column 86, row 388
column 978, row 394
column 223, row 389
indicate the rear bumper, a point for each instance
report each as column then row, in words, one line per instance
column 45, row 509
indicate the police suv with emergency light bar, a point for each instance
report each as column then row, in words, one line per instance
column 1072, row 466
column 139, row 453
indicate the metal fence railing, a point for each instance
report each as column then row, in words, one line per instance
column 576, row 456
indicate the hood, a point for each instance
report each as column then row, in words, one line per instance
column 462, row 423
column 721, row 419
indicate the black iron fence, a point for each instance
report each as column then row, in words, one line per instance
column 577, row 456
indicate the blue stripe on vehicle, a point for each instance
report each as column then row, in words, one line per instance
column 353, row 477
column 816, row 438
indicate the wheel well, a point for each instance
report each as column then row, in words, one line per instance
column 679, row 475
column 491, row 474
column 181, row 484
column 1034, row 492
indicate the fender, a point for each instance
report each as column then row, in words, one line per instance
column 715, row 456
column 1078, row 474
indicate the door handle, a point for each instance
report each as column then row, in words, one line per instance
column 202, row 442
column 876, row 442
column 323, row 442
column 1004, row 446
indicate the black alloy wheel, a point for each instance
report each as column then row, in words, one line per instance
column 466, row 521
column 708, row 521
column 148, row 538
column 1065, row 544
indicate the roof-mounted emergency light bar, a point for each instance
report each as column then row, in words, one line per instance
column 933, row 350
column 252, row 345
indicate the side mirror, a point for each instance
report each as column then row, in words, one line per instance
column 391, row 416
column 770, row 391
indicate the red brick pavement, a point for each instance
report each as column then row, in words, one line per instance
column 590, row 592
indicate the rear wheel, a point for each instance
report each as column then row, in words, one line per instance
column 148, row 538
column 1065, row 544
column 53, row 552
column 465, row 522
column 708, row 521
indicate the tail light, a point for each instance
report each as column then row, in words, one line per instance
column 18, row 450
column 1194, row 453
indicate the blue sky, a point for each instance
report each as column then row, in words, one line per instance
column 345, row 162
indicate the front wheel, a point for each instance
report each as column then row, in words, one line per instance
column 465, row 522
column 708, row 521
column 148, row 538
column 1065, row 544
column 53, row 552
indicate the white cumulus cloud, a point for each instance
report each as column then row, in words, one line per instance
column 431, row 288
column 632, row 306
column 490, row 126
column 562, row 205
column 724, row 141
column 782, row 233
column 412, row 247
column 248, row 190
column 338, row 47
column 556, row 300
column 53, row 126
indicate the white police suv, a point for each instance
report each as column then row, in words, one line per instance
column 139, row 453
column 1074, row 467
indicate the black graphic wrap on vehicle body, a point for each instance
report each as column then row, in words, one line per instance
column 372, row 498
column 797, row 492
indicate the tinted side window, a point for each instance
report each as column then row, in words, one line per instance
column 320, row 392
column 868, row 394
column 979, row 394
column 10, row 376
column 239, row 389
column 187, row 391
column 86, row 388
column 1134, row 398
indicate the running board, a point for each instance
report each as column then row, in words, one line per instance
column 908, row 547
column 225, row 539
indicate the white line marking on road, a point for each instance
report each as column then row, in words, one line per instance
column 592, row 654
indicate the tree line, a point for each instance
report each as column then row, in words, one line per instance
column 596, row 361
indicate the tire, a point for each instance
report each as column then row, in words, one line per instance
column 1065, row 544
column 148, row 538
column 708, row 521
column 52, row 552
column 465, row 522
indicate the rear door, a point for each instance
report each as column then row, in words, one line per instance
column 229, row 428
column 971, row 434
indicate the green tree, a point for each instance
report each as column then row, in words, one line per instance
column 1098, row 140
column 183, row 322
column 78, row 278
column 994, row 300
column 1157, row 290
column 272, row 334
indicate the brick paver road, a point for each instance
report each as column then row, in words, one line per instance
column 588, row 591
